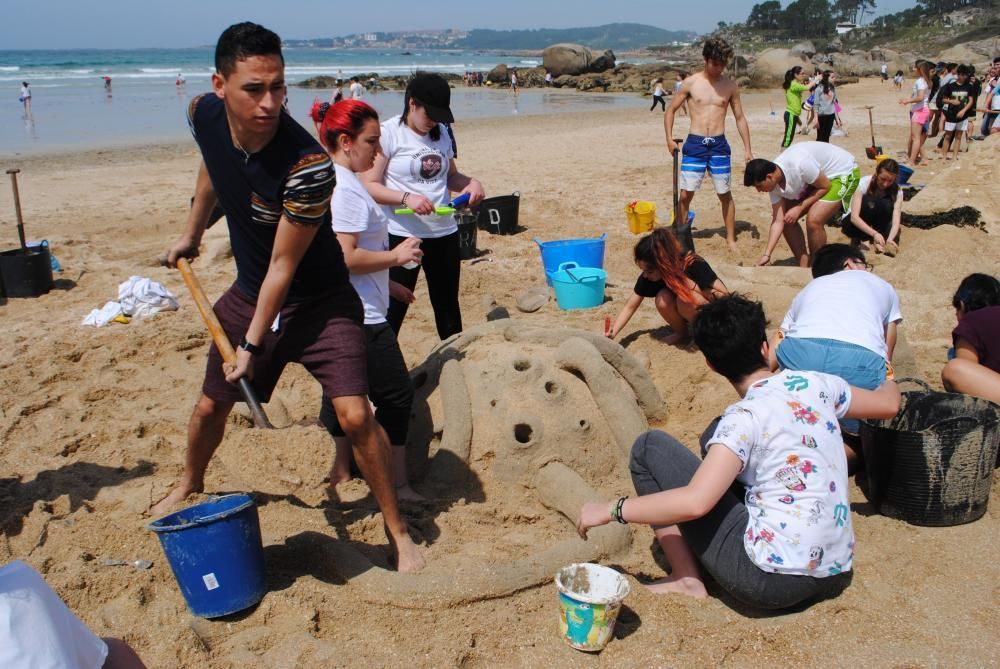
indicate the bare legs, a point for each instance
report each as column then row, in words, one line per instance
column 371, row 452
column 816, row 219
column 205, row 430
column 685, row 577
column 728, row 213
column 341, row 470
column 916, row 142
column 677, row 314
column 971, row 378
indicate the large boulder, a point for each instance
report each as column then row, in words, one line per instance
column 499, row 75
column 963, row 54
column 573, row 59
column 807, row 49
column 769, row 68
column 604, row 62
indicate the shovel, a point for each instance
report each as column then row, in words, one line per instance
column 873, row 152
column 682, row 229
column 221, row 341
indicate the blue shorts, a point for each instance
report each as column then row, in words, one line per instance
column 706, row 153
column 857, row 365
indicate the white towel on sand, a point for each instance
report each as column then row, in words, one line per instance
column 141, row 297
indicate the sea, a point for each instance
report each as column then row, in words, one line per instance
column 72, row 109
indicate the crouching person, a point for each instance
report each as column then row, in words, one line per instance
column 789, row 538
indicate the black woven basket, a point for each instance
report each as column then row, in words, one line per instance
column 933, row 463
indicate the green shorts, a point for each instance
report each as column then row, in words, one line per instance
column 842, row 189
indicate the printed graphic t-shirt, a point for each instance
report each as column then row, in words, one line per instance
column 293, row 177
column 960, row 92
column 786, row 434
column 355, row 211
column 417, row 164
column 802, row 163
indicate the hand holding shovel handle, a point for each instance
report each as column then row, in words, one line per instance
column 222, row 342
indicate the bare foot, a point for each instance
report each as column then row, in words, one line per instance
column 168, row 503
column 764, row 260
column 692, row 586
column 409, row 559
column 732, row 247
column 339, row 473
column 672, row 339
column 405, row 492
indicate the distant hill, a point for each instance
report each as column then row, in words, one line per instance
column 618, row 36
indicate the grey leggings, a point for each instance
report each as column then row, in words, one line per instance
column 660, row 462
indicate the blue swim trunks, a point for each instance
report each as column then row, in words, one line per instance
column 706, row 153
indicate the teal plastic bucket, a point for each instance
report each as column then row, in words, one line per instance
column 216, row 554
column 578, row 287
column 583, row 252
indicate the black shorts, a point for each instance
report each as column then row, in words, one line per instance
column 324, row 335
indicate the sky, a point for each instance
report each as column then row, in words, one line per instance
column 128, row 24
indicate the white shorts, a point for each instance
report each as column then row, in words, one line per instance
column 36, row 628
column 959, row 126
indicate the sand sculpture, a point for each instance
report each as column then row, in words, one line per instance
column 530, row 417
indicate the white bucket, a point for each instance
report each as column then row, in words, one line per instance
column 590, row 597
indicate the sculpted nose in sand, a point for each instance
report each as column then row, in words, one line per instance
column 292, row 300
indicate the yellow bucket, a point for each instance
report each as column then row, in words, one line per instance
column 641, row 216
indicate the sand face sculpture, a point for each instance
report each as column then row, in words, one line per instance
column 521, row 425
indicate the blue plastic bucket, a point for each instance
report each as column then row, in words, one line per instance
column 578, row 287
column 904, row 175
column 583, row 252
column 216, row 554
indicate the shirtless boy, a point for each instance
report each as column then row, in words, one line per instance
column 709, row 94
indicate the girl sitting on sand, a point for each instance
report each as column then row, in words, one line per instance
column 877, row 209
column 349, row 130
column 679, row 282
column 975, row 369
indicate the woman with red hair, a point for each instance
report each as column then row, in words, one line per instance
column 350, row 131
column 679, row 282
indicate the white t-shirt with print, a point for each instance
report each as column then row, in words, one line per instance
column 803, row 162
column 919, row 90
column 786, row 434
column 353, row 210
column 417, row 164
column 853, row 306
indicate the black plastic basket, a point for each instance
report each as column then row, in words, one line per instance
column 933, row 463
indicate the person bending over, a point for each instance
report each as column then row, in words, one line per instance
column 678, row 282
column 844, row 323
column 767, row 512
column 975, row 369
column 815, row 179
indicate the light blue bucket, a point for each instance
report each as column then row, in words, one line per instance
column 584, row 252
column 578, row 287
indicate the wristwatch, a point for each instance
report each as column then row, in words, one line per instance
column 252, row 349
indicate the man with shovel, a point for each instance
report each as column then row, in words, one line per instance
column 292, row 300
column 709, row 95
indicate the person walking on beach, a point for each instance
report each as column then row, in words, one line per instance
column 794, row 88
column 658, row 95
column 920, row 110
column 711, row 94
column 25, row 97
column 292, row 300
column 513, row 81
column 350, row 132
column 417, row 170
column 357, row 91
column 826, row 105
column 815, row 179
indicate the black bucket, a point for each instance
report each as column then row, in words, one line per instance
column 466, row 234
column 26, row 273
column 498, row 215
column 933, row 463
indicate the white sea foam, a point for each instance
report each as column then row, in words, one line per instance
column 9, row 68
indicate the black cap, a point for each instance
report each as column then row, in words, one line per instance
column 434, row 94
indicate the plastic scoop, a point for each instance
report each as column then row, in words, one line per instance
column 445, row 209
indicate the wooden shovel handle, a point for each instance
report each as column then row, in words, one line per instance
column 221, row 340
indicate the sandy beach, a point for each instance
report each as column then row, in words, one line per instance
column 93, row 421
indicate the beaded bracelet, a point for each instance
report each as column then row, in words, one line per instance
column 405, row 195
